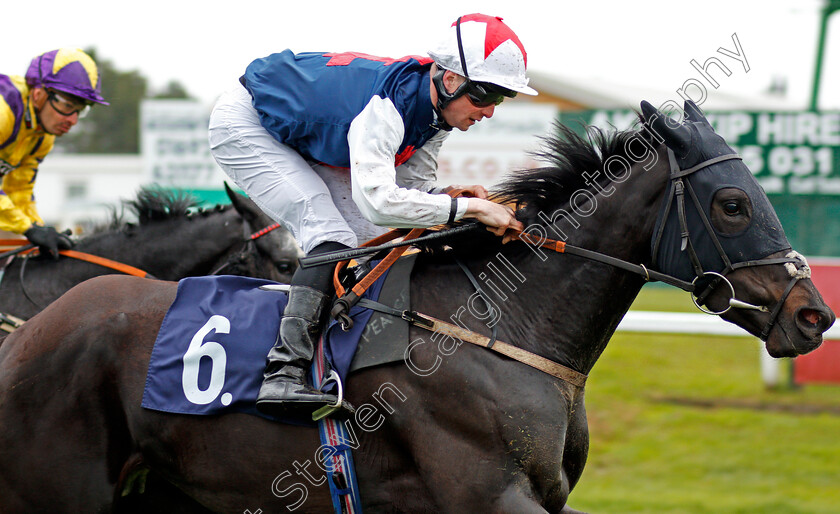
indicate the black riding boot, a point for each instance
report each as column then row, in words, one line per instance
column 284, row 389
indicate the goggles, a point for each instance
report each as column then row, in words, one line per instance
column 482, row 94
column 66, row 107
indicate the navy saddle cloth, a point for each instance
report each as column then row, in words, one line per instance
column 210, row 352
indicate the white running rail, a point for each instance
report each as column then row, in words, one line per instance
column 704, row 324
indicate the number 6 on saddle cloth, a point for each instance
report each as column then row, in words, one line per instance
column 209, row 354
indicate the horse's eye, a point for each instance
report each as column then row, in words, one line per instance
column 732, row 208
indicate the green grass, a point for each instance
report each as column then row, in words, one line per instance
column 748, row 450
column 659, row 297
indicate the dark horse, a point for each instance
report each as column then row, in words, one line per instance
column 453, row 428
column 172, row 239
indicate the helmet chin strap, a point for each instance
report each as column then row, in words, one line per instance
column 444, row 97
column 32, row 107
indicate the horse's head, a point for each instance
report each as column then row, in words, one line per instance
column 718, row 230
column 275, row 246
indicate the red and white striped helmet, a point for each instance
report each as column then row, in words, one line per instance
column 491, row 52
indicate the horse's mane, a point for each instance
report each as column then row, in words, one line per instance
column 152, row 204
column 569, row 156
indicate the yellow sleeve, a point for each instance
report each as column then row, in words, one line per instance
column 17, row 198
column 12, row 219
column 7, row 121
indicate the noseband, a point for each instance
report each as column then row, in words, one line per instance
column 700, row 292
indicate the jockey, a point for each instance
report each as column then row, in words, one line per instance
column 336, row 146
column 58, row 89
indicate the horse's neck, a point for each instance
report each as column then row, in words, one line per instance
column 170, row 249
column 578, row 303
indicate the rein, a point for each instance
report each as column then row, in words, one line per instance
column 798, row 269
column 639, row 269
column 26, row 248
column 107, row 263
column 111, row 264
column 82, row 256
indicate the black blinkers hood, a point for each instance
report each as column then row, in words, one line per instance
column 693, row 141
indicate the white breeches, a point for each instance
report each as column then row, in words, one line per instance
column 314, row 202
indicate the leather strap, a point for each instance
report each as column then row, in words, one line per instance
column 453, row 210
column 518, row 354
column 108, row 263
column 94, row 259
column 432, row 324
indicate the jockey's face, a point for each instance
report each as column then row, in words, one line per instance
column 54, row 121
column 461, row 113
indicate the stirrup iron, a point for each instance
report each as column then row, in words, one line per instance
column 340, row 404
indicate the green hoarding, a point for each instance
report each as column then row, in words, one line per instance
column 794, row 155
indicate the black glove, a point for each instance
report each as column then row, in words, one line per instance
column 48, row 240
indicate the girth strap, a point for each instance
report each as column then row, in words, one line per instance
column 554, row 369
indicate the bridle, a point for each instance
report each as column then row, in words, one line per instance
column 699, row 292
column 247, row 247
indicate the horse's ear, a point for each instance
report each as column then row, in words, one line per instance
column 243, row 205
column 237, row 200
column 648, row 111
column 693, row 113
column 230, row 192
column 664, row 128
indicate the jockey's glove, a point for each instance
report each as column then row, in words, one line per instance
column 48, row 240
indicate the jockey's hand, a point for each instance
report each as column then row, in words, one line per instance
column 498, row 218
column 48, row 240
column 476, row 190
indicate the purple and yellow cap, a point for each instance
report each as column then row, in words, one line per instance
column 69, row 70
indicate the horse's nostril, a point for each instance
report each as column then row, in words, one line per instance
column 814, row 319
column 810, row 316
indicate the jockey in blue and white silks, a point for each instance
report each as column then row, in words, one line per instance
column 380, row 110
column 338, row 146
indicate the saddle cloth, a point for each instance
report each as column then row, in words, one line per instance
column 211, row 348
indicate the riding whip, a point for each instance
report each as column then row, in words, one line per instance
column 17, row 250
column 345, row 255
